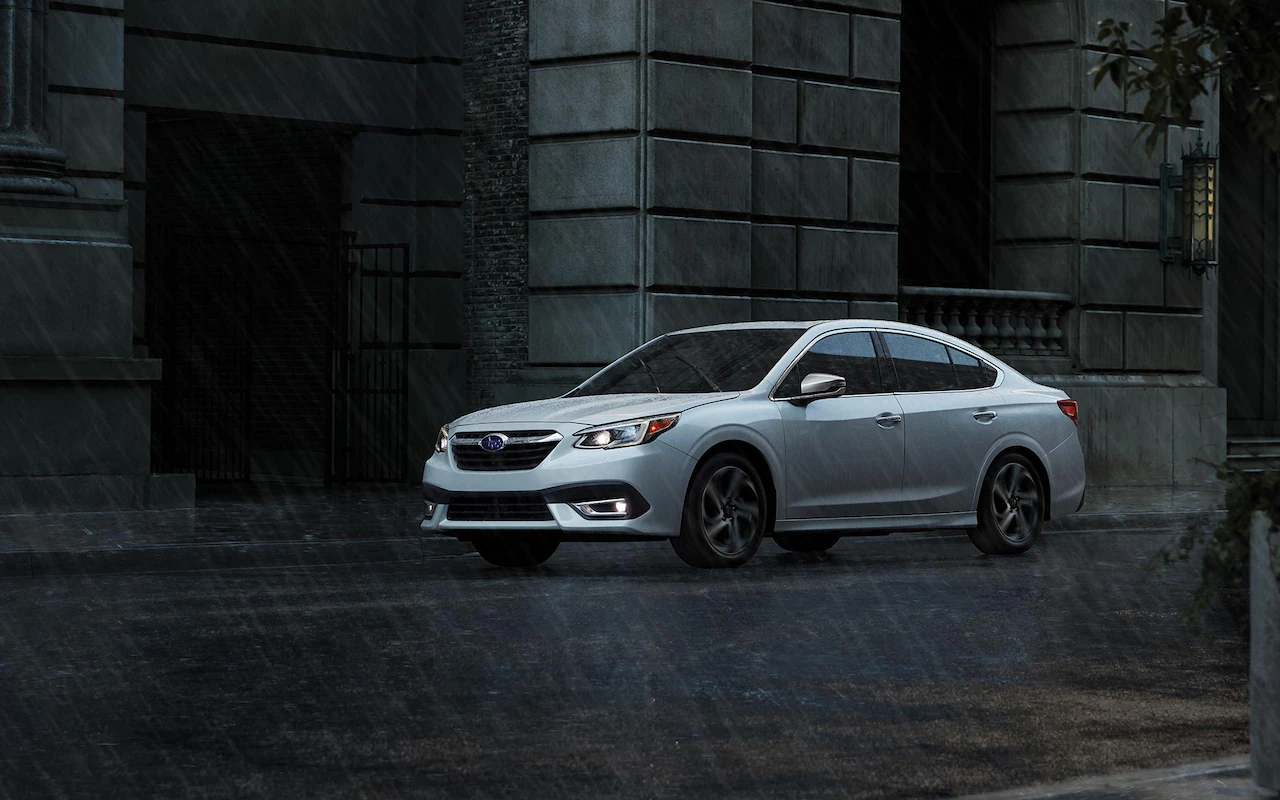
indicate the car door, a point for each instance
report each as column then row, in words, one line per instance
column 844, row 455
column 951, row 418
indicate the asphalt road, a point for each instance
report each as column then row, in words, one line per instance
column 900, row 667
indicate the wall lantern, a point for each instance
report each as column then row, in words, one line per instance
column 1197, row 245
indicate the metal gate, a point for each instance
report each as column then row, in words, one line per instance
column 369, row 364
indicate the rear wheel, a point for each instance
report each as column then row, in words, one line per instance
column 806, row 542
column 725, row 514
column 1010, row 508
column 517, row 549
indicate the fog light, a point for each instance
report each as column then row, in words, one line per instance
column 429, row 511
column 617, row 508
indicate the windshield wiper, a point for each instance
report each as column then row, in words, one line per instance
column 701, row 374
column 652, row 378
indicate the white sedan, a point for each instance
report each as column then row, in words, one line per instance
column 718, row 437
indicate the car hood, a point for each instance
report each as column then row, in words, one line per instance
column 595, row 410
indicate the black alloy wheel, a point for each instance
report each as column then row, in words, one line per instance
column 725, row 513
column 1010, row 507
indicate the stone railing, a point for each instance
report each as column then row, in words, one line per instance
column 1004, row 323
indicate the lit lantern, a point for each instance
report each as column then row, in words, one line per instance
column 1199, row 210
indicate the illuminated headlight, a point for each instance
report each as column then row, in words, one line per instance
column 429, row 511
column 442, row 439
column 624, row 434
column 603, row 509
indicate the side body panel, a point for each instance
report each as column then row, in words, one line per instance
column 842, row 461
column 949, row 435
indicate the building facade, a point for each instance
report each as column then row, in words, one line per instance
column 288, row 240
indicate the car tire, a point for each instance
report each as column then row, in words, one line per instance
column 806, row 542
column 517, row 549
column 1010, row 507
column 726, row 511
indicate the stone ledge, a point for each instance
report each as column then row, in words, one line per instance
column 1148, row 381
column 52, row 369
column 46, row 201
column 24, row 494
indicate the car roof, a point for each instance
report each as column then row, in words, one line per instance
column 821, row 324
column 824, row 325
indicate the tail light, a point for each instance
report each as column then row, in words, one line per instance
column 1071, row 408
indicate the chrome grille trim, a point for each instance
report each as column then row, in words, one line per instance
column 524, row 451
column 473, row 439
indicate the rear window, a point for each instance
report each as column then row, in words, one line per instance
column 971, row 372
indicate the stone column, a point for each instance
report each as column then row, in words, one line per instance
column 28, row 164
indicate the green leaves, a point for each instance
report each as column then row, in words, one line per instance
column 1204, row 46
column 1224, row 547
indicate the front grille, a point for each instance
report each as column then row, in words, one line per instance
column 524, row 450
column 504, row 507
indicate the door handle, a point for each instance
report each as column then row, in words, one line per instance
column 984, row 416
column 888, row 420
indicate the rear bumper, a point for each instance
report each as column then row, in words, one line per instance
column 1066, row 478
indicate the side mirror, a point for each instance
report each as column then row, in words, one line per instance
column 819, row 385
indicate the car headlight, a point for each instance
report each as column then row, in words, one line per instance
column 442, row 439
column 624, row 434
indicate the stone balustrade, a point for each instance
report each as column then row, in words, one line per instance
column 1004, row 323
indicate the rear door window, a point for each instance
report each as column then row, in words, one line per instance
column 921, row 365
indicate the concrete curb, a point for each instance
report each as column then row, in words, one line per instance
column 1223, row 777
column 209, row 557
column 1133, row 520
column 227, row 556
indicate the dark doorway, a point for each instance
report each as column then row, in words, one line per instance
column 242, row 234
column 945, row 184
column 1249, row 282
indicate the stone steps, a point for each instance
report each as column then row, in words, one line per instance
column 1253, row 453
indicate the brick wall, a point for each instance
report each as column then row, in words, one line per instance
column 496, row 73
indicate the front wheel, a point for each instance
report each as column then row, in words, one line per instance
column 516, row 549
column 1010, row 507
column 725, row 514
column 806, row 543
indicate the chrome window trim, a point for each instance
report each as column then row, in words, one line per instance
column 773, row 391
column 1000, row 374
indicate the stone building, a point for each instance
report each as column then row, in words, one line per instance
column 287, row 239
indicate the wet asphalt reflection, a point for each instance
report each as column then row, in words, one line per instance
column 909, row 666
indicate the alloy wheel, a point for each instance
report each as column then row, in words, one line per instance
column 730, row 511
column 1016, row 502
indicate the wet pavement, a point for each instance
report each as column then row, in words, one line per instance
column 910, row 666
column 1220, row 779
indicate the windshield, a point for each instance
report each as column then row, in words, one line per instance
column 733, row 360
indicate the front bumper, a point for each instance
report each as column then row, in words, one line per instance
column 653, row 477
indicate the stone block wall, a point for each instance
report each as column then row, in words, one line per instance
column 702, row 161
column 1076, row 211
column 1076, row 206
